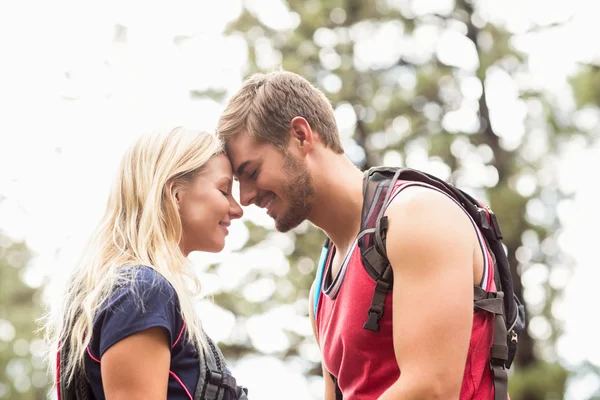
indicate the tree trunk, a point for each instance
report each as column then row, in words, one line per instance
column 525, row 354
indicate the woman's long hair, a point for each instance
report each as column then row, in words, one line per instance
column 141, row 226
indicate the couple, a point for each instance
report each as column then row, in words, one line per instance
column 128, row 329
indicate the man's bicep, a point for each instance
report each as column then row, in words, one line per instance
column 429, row 245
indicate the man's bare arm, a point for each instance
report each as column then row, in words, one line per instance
column 430, row 245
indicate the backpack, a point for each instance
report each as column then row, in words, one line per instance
column 509, row 324
column 214, row 381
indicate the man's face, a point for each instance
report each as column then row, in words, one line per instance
column 272, row 180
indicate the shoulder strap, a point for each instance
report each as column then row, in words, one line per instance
column 211, row 374
column 79, row 388
column 338, row 391
column 378, row 185
column 319, row 278
column 214, row 379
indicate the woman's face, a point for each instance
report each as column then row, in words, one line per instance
column 206, row 207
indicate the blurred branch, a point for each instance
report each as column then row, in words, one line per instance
column 436, row 17
column 542, row 28
column 353, row 16
column 593, row 66
column 217, row 95
column 361, row 139
column 491, row 138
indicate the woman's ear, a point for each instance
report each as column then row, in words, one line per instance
column 176, row 193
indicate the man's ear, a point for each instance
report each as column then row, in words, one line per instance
column 301, row 134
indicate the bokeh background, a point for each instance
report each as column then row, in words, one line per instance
column 499, row 97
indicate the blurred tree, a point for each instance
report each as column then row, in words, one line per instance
column 22, row 368
column 586, row 84
column 439, row 88
column 586, row 90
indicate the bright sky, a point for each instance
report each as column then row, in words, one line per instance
column 61, row 139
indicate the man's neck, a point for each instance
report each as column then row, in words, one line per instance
column 338, row 200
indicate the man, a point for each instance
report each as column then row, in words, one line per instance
column 283, row 142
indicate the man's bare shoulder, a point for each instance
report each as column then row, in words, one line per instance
column 424, row 220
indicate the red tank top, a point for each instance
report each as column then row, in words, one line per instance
column 363, row 361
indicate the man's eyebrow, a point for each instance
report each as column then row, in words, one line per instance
column 240, row 170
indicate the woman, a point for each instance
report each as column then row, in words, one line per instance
column 127, row 328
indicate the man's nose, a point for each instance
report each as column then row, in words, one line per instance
column 247, row 193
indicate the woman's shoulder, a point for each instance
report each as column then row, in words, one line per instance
column 145, row 280
column 141, row 288
column 142, row 299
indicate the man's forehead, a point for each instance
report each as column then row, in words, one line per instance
column 240, row 151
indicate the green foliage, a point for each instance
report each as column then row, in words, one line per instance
column 22, row 368
column 541, row 377
column 586, row 84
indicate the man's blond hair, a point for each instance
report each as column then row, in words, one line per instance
column 266, row 104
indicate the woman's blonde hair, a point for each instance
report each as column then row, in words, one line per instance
column 141, row 226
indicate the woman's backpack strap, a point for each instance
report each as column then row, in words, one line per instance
column 215, row 381
column 79, row 388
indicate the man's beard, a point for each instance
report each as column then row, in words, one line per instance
column 299, row 192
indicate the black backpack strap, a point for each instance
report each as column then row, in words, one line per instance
column 83, row 389
column 211, row 374
column 338, row 391
column 493, row 302
column 214, row 379
column 79, row 388
column 514, row 319
column 61, row 356
column 375, row 256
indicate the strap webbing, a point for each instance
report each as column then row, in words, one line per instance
column 500, row 382
column 377, row 303
column 338, row 391
column 494, row 303
column 319, row 281
column 212, row 370
column 217, row 379
column 499, row 354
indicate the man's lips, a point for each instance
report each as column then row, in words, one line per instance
column 270, row 204
column 266, row 201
